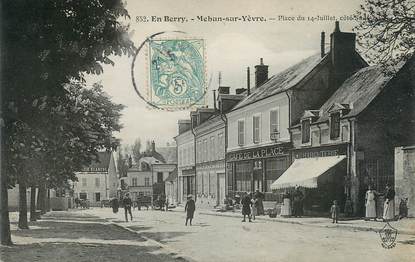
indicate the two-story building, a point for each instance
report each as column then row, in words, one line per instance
column 148, row 176
column 348, row 143
column 186, row 174
column 98, row 181
column 259, row 140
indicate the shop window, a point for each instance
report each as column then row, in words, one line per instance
column 256, row 130
column 134, row 181
column 335, row 125
column 146, row 181
column 274, row 127
column 241, row 132
column 305, row 131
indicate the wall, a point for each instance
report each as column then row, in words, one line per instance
column 405, row 178
column 261, row 108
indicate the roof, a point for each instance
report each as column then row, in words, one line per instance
column 356, row 93
column 150, row 160
column 172, row 176
column 169, row 154
column 103, row 161
column 283, row 81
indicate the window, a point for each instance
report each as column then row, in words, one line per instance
column 159, row 177
column 212, row 148
column 305, row 129
column 97, row 182
column 146, row 181
column 205, row 150
column 83, row 196
column 134, row 183
column 255, row 131
column 220, row 145
column 83, row 181
column 241, row 132
column 335, row 125
column 274, row 122
column 97, row 197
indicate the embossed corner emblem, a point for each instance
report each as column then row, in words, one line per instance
column 388, row 236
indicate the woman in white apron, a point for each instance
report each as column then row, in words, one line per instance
column 286, row 206
column 370, row 204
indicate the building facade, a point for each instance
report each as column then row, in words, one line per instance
column 210, row 162
column 259, row 138
column 98, row 181
column 351, row 138
column 185, row 161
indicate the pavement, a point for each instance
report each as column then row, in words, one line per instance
column 404, row 226
column 100, row 235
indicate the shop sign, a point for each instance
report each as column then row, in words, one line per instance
column 95, row 169
column 258, row 153
column 321, row 151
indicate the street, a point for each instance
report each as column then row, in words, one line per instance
column 162, row 236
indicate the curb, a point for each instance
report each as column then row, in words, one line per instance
column 349, row 227
column 169, row 250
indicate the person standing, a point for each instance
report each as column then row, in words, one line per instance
column 259, row 197
column 298, row 202
column 246, row 207
column 114, row 205
column 389, row 205
column 286, row 206
column 335, row 210
column 370, row 204
column 190, row 209
column 254, row 207
column 127, row 202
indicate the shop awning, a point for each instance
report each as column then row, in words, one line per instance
column 305, row 171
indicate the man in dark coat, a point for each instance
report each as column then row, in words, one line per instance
column 298, row 202
column 190, row 209
column 260, row 197
column 114, row 205
column 127, row 206
column 246, row 207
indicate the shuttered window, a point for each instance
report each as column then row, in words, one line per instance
column 256, row 130
column 335, row 125
column 241, row 132
column 305, row 131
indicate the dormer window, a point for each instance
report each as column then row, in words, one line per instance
column 334, row 125
column 305, row 131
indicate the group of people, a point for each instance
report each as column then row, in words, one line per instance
column 127, row 204
column 252, row 205
column 296, row 198
column 388, row 205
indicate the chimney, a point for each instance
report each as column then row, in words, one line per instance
column 153, row 146
column 261, row 73
column 342, row 49
column 184, row 125
column 214, row 100
column 323, row 39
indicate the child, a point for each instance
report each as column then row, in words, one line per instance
column 190, row 209
column 335, row 210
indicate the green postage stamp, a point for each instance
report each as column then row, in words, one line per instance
column 177, row 73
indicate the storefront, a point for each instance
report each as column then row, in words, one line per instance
column 187, row 182
column 257, row 168
column 320, row 173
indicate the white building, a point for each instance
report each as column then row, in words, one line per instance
column 98, row 181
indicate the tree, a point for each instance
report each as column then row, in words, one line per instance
column 136, row 150
column 387, row 31
column 47, row 44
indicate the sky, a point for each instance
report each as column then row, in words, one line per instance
column 229, row 48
